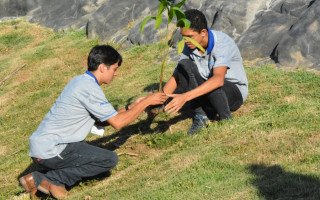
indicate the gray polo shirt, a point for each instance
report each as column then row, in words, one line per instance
column 71, row 117
column 221, row 51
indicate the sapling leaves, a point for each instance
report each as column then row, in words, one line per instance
column 181, row 45
column 171, row 15
column 145, row 21
column 172, row 12
column 161, row 8
column 158, row 21
column 180, row 4
column 184, row 23
column 194, row 43
column 181, row 21
column 180, row 14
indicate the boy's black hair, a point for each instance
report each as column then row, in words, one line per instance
column 197, row 19
column 105, row 54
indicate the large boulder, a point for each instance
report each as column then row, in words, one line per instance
column 264, row 34
column 16, row 8
column 300, row 46
column 62, row 15
column 228, row 16
column 287, row 31
column 114, row 20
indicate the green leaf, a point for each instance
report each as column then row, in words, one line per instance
column 181, row 45
column 158, row 21
column 183, row 23
column 194, row 43
column 161, row 8
column 180, row 4
column 180, row 14
column 165, row 4
column 145, row 21
column 171, row 15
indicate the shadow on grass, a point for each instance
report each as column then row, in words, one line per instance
column 114, row 141
column 275, row 183
column 152, row 87
column 143, row 127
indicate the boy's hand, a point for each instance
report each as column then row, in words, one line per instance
column 176, row 103
column 156, row 98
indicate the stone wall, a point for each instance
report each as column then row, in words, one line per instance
column 287, row 31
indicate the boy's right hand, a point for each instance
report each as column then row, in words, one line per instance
column 156, row 98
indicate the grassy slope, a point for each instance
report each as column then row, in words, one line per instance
column 270, row 150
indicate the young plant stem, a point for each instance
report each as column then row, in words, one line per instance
column 164, row 56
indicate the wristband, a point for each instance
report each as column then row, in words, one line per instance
column 127, row 107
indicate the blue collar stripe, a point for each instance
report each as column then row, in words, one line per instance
column 210, row 41
column 90, row 74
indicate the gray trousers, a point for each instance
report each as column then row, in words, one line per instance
column 76, row 161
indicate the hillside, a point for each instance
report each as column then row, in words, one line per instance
column 270, row 150
column 288, row 32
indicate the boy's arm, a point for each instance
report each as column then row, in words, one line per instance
column 126, row 117
column 136, row 102
column 130, row 106
column 171, row 85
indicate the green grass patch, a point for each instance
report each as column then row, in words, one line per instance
column 270, row 150
column 13, row 40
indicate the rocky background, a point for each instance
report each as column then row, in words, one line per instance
column 286, row 31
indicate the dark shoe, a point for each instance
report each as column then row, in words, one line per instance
column 199, row 121
column 27, row 182
column 59, row 192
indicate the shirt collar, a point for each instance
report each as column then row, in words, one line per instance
column 210, row 41
column 210, row 44
column 90, row 74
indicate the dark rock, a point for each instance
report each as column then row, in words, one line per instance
column 285, row 30
column 63, row 15
column 264, row 34
column 150, row 35
column 294, row 8
column 228, row 16
column 16, row 8
column 115, row 19
column 300, row 46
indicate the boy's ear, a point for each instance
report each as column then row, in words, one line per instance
column 203, row 31
column 101, row 68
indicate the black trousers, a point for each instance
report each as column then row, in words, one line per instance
column 222, row 101
column 76, row 161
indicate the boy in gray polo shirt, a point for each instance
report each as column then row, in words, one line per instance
column 57, row 143
column 213, row 79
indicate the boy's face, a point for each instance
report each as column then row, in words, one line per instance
column 109, row 73
column 199, row 37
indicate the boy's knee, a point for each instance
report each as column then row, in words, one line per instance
column 187, row 65
column 112, row 159
column 115, row 159
column 186, row 62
